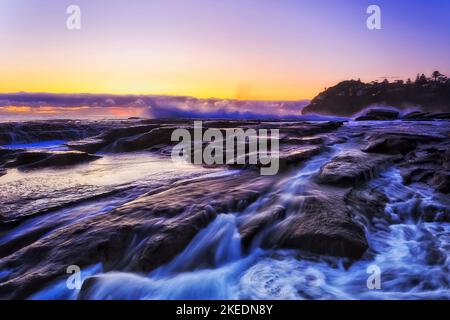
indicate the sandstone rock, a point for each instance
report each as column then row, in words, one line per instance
column 426, row 116
column 29, row 157
column 416, row 116
column 90, row 145
column 296, row 155
column 441, row 181
column 154, row 138
column 6, row 155
column 368, row 203
column 230, row 123
column 21, row 132
column 323, row 226
column 164, row 221
column 108, row 138
column 428, row 164
column 442, row 116
column 42, row 159
column 258, row 222
column 6, row 152
column 314, row 140
column 305, row 128
column 379, row 115
column 395, row 143
column 351, row 167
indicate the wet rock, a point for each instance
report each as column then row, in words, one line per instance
column 434, row 256
column 6, row 152
column 425, row 116
column 28, row 157
column 428, row 164
column 323, row 226
column 160, row 137
column 157, row 137
column 412, row 174
column 21, row 132
column 397, row 143
column 109, row 138
column 441, row 181
column 17, row 207
column 367, row 202
column 315, row 140
column 416, row 116
column 351, row 167
column 162, row 222
column 435, row 212
column 296, row 155
column 379, row 115
column 287, row 157
column 258, row 222
column 305, row 128
column 90, row 145
column 442, row 116
column 42, row 159
column 6, row 155
column 2, row 172
column 230, row 123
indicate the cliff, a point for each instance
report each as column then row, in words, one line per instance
column 350, row 97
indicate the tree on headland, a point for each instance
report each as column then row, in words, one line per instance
column 417, row 78
column 437, row 75
column 422, row 79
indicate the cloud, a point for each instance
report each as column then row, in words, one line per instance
column 154, row 106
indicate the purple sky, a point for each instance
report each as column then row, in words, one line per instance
column 246, row 49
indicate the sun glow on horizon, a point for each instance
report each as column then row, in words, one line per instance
column 158, row 76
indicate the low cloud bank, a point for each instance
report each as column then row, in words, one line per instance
column 70, row 105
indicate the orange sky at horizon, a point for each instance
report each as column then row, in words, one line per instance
column 93, row 74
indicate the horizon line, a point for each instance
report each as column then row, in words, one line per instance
column 151, row 94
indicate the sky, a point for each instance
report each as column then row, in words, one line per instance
column 234, row 49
